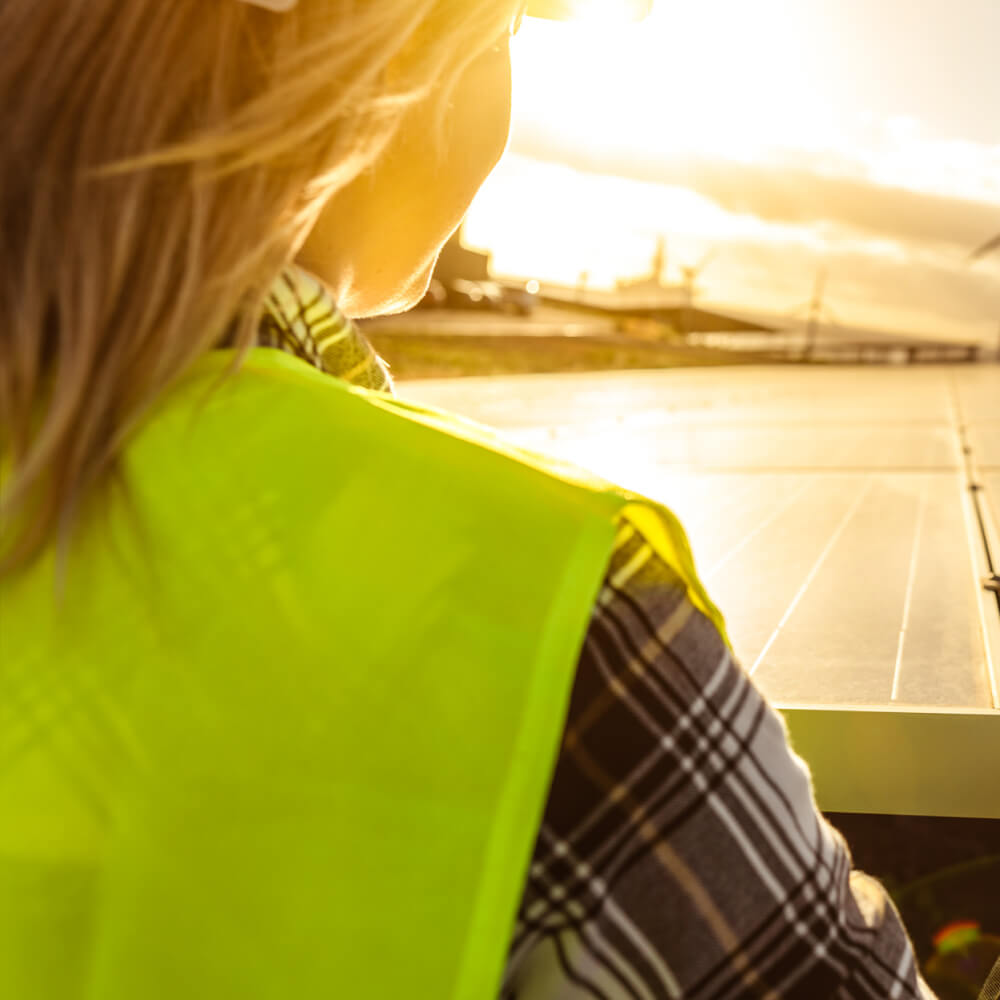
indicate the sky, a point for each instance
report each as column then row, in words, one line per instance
column 785, row 136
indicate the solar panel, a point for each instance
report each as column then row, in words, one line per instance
column 844, row 520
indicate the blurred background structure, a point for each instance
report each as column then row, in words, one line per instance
column 687, row 178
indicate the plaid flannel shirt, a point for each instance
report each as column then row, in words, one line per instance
column 301, row 318
column 681, row 853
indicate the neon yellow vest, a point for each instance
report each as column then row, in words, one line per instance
column 288, row 732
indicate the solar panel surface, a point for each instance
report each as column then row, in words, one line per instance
column 842, row 518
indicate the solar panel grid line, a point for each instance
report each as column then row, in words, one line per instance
column 762, row 525
column 695, row 502
column 762, row 580
column 944, row 659
column 840, row 646
column 811, row 575
column 714, row 534
column 906, row 631
column 908, row 598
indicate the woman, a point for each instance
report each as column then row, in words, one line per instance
column 286, row 664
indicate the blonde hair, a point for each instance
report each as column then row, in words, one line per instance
column 160, row 163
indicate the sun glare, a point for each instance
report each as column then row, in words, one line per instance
column 777, row 134
column 709, row 77
column 609, row 12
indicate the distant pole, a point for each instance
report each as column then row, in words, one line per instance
column 689, row 274
column 581, row 284
column 815, row 311
column 660, row 260
column 810, row 335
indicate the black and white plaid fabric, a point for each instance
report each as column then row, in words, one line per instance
column 302, row 318
column 681, row 853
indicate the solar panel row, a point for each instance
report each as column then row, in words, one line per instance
column 831, row 516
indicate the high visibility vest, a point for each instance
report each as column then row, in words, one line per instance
column 283, row 726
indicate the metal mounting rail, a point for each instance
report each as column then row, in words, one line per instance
column 902, row 761
column 991, row 582
column 986, row 553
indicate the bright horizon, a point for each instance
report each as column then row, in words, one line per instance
column 784, row 135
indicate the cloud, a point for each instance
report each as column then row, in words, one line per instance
column 790, row 193
column 896, row 259
column 925, row 294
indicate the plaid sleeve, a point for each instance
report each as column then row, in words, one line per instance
column 681, row 852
